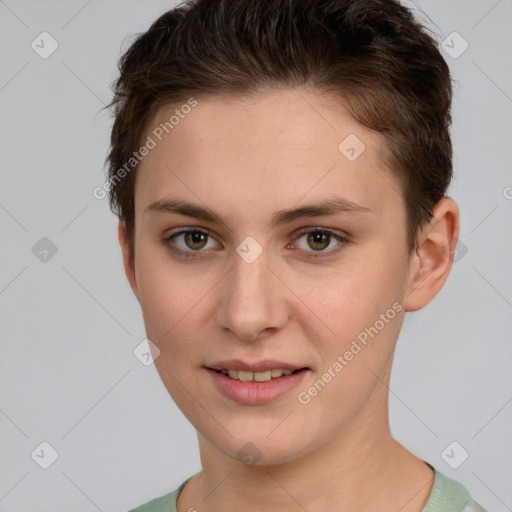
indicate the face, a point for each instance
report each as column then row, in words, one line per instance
column 262, row 244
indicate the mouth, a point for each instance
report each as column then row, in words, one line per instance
column 262, row 376
column 257, row 383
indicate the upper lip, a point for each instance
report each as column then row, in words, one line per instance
column 256, row 366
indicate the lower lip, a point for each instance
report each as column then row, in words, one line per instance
column 256, row 393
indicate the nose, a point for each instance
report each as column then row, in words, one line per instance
column 254, row 303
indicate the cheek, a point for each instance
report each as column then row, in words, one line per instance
column 364, row 316
column 355, row 296
column 361, row 314
column 170, row 303
column 168, row 300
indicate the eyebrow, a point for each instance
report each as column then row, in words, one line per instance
column 329, row 207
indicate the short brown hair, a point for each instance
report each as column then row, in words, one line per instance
column 372, row 54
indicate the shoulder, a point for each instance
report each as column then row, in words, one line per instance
column 166, row 503
column 448, row 495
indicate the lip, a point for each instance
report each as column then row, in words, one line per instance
column 257, row 366
column 257, row 393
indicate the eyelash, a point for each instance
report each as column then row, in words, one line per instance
column 167, row 241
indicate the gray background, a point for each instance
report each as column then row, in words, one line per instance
column 69, row 324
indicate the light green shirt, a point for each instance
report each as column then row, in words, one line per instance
column 446, row 495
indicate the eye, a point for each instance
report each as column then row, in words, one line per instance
column 318, row 240
column 189, row 241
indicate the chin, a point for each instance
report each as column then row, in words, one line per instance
column 261, row 451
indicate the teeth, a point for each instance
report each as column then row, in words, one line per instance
column 245, row 376
column 263, row 376
column 256, row 376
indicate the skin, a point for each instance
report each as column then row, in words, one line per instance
column 245, row 159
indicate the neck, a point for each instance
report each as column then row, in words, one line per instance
column 362, row 468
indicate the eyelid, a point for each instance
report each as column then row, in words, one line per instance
column 178, row 231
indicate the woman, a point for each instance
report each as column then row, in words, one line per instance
column 279, row 170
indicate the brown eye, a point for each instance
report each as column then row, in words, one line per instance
column 195, row 239
column 318, row 240
column 189, row 242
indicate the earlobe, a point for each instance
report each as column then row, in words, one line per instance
column 433, row 258
column 129, row 267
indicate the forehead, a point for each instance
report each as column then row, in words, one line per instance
column 289, row 117
column 279, row 146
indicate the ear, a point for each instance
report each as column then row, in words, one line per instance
column 129, row 266
column 432, row 261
